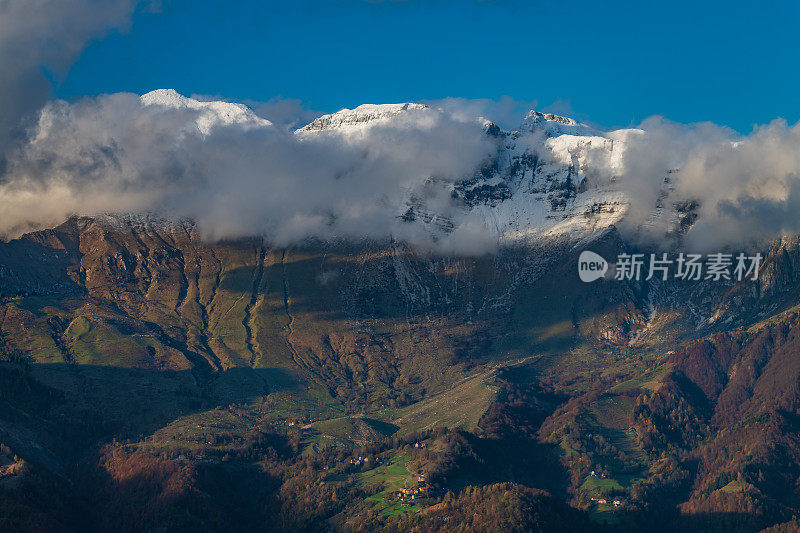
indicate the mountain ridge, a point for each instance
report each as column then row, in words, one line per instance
column 153, row 373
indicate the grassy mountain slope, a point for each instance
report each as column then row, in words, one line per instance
column 204, row 381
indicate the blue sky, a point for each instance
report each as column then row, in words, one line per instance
column 611, row 63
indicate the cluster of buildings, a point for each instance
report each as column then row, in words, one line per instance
column 358, row 461
column 407, row 496
column 616, row 502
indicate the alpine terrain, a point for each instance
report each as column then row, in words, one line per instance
column 155, row 377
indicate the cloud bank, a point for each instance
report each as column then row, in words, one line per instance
column 741, row 190
column 237, row 174
column 238, row 171
column 505, row 112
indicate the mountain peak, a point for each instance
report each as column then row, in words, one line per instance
column 167, row 98
column 537, row 116
column 211, row 113
column 554, row 124
column 361, row 114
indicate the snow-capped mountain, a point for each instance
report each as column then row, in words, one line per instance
column 210, row 114
column 555, row 125
column 550, row 177
column 365, row 113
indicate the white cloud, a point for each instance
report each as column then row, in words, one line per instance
column 45, row 35
column 747, row 188
column 506, row 112
column 115, row 153
column 237, row 174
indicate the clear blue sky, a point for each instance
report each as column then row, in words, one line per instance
column 615, row 63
